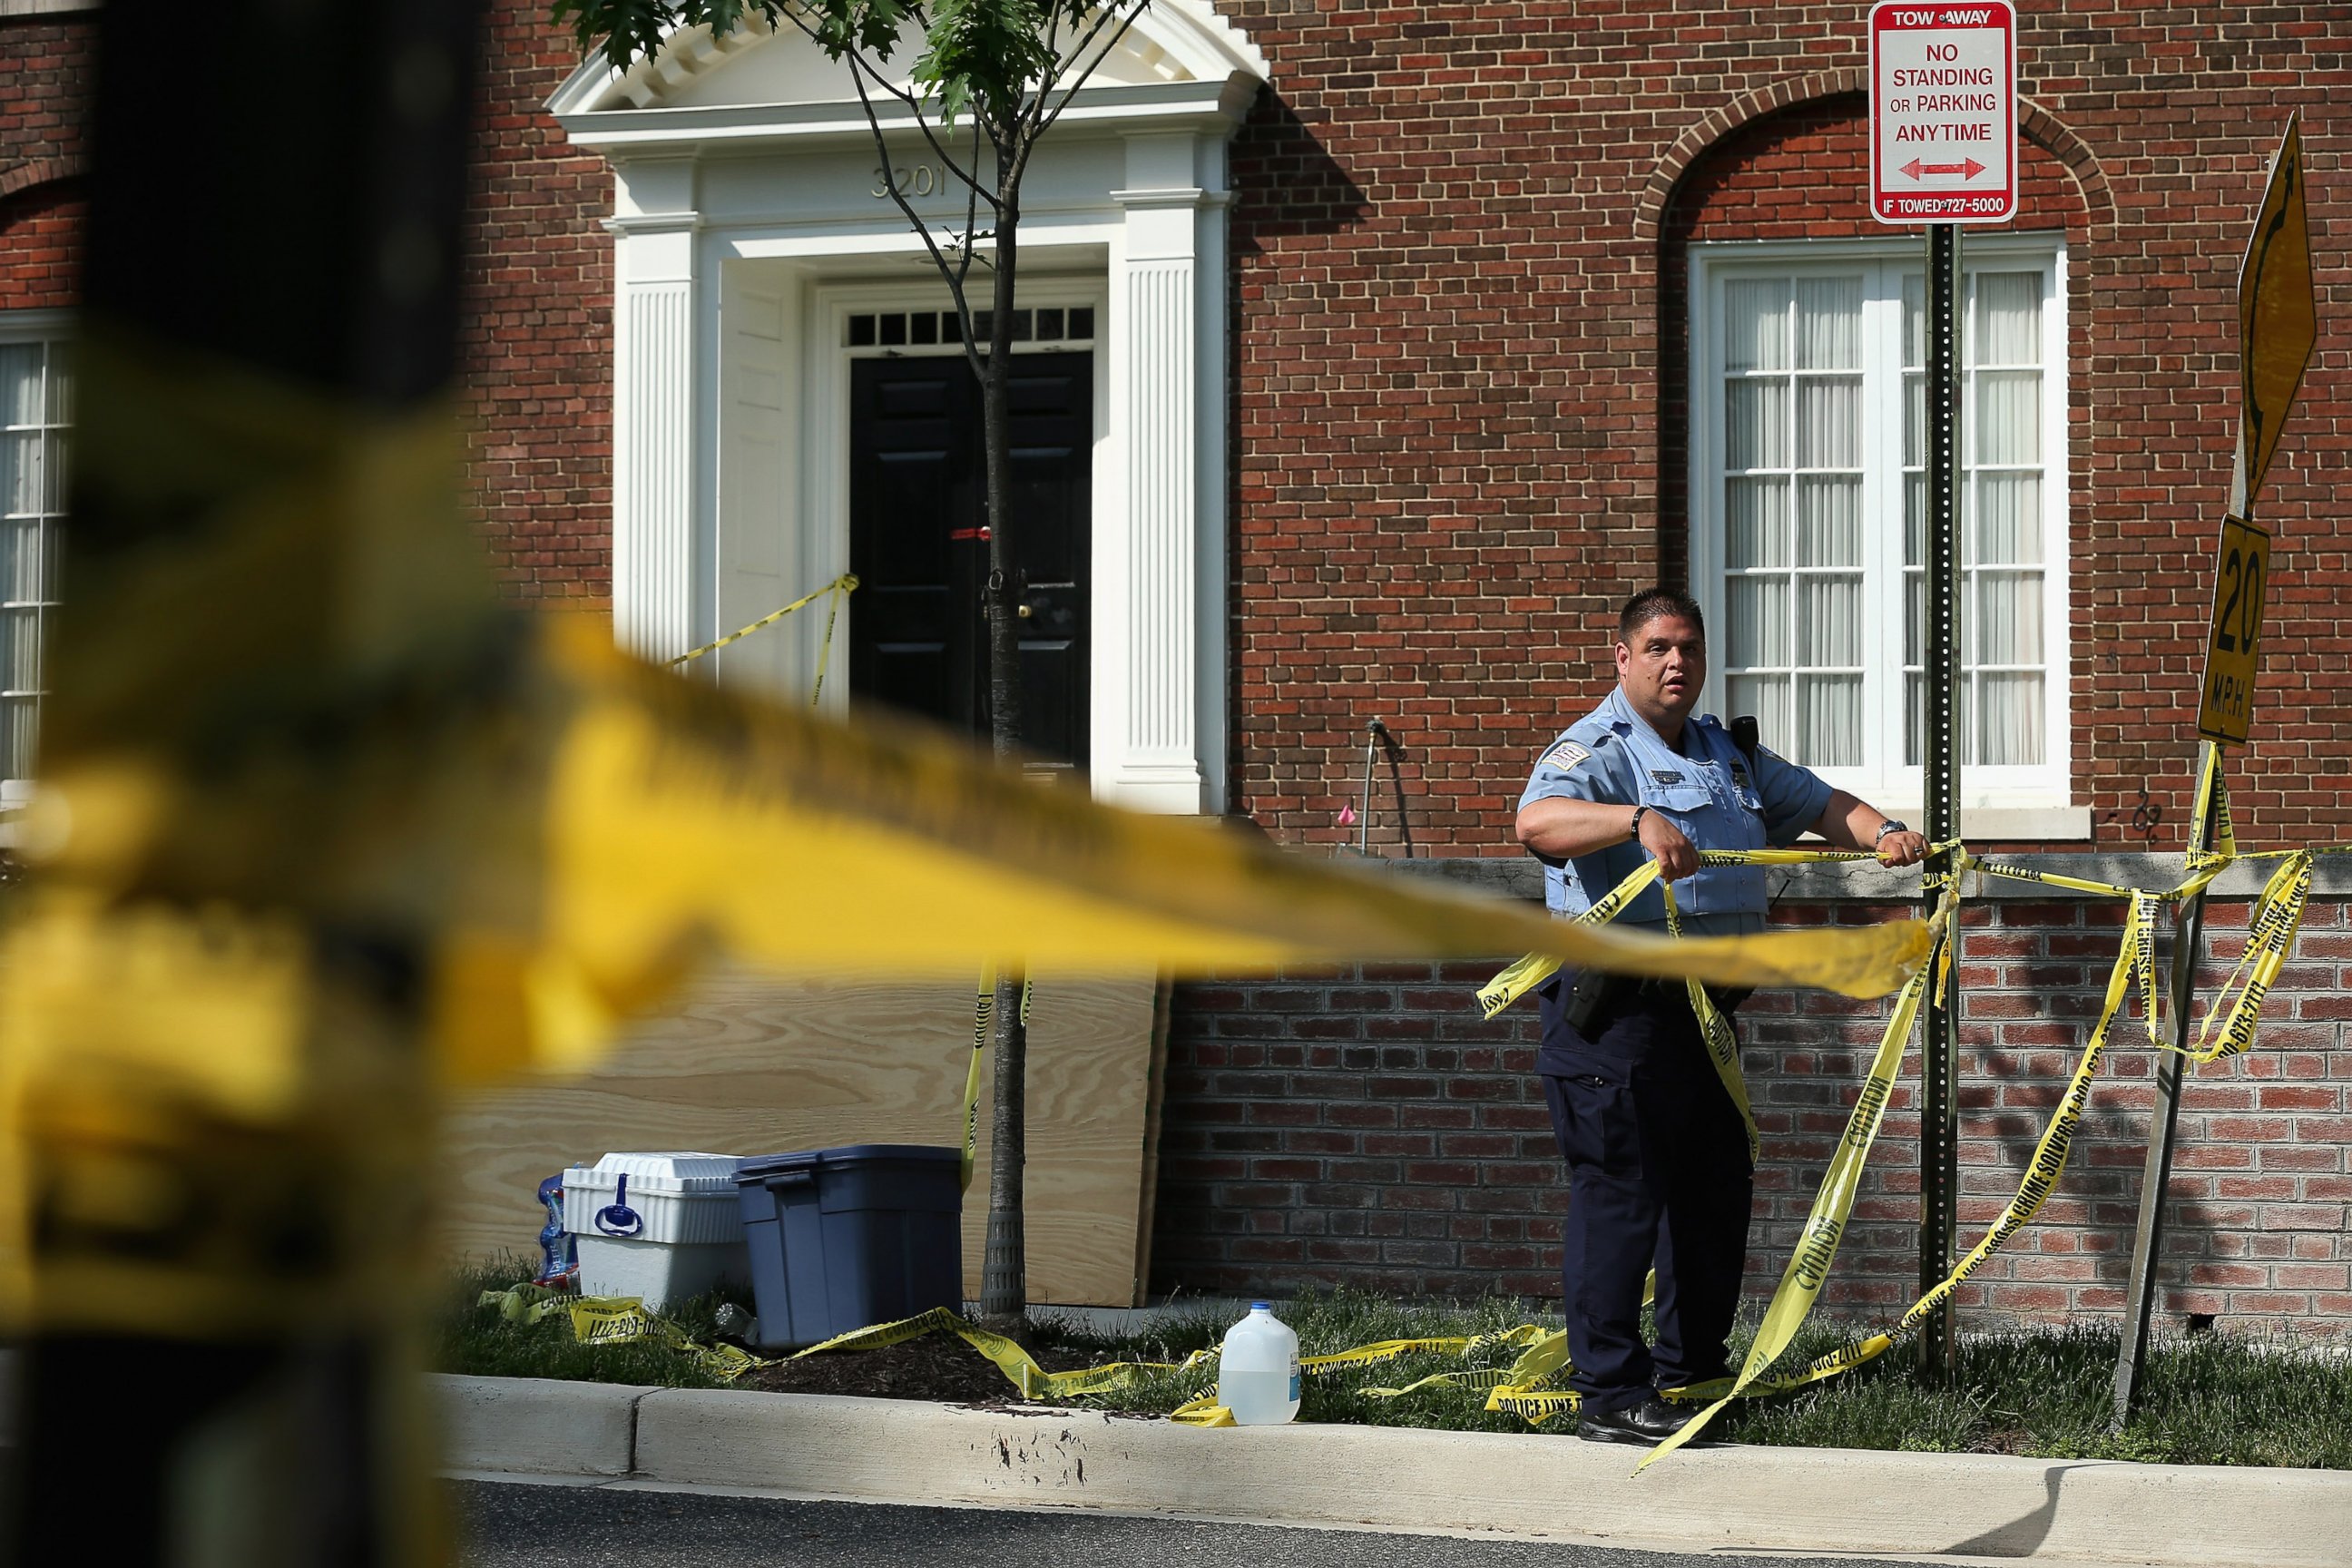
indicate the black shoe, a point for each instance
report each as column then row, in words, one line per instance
column 1651, row 1421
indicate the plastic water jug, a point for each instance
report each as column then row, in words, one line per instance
column 1257, row 1373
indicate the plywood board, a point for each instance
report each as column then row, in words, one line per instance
column 747, row 1064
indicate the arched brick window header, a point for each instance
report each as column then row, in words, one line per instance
column 41, row 211
column 1725, row 123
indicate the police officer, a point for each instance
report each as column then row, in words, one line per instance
column 1657, row 1153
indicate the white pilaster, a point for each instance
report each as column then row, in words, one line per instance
column 1147, row 597
column 653, row 395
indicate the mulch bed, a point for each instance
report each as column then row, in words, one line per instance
column 937, row 1366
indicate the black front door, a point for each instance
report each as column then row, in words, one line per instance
column 918, row 639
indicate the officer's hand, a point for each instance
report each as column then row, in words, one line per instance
column 1904, row 848
column 1667, row 846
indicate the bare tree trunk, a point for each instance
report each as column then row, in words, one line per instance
column 1004, row 1280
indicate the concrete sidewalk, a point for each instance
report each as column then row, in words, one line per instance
column 1535, row 1485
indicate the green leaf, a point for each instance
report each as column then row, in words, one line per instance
column 629, row 28
column 987, row 54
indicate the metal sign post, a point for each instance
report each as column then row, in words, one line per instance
column 1943, row 151
column 1939, row 1131
column 2278, row 321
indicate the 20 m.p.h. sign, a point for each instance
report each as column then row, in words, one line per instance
column 1943, row 112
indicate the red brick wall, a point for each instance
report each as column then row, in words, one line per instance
column 45, row 80
column 40, row 240
column 1365, row 1128
column 538, row 332
column 1459, row 440
column 538, row 340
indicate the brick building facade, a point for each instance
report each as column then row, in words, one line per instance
column 1476, row 294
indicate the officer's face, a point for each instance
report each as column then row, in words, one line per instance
column 1661, row 670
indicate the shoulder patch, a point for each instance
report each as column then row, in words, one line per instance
column 1565, row 756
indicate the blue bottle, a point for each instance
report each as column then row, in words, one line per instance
column 559, row 1266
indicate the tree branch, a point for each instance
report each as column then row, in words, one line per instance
column 922, row 229
column 1046, row 88
column 964, row 264
column 860, row 67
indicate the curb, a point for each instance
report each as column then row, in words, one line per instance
column 1751, row 1499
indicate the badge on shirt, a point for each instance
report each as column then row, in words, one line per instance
column 1566, row 756
column 1665, row 778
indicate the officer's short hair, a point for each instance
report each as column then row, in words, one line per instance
column 1657, row 604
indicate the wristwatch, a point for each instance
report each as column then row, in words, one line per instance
column 1886, row 827
column 1633, row 828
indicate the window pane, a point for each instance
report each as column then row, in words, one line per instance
column 1828, row 422
column 1766, row 696
column 20, row 560
column 1915, row 721
column 2009, row 416
column 20, row 383
column 2007, row 617
column 61, row 384
column 1755, row 523
column 1915, row 520
column 21, row 489
column 1915, row 321
column 1759, row 609
column 2010, row 720
column 1829, row 721
column 1914, row 618
column 1755, row 324
column 19, row 717
column 1915, row 421
column 1756, row 423
column 1829, row 521
column 1828, row 323
column 1829, row 622
column 2009, row 519
column 55, row 468
column 20, row 650
column 2008, row 318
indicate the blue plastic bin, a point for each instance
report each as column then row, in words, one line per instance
column 844, row 1238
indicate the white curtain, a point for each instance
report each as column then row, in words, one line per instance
column 2002, row 543
column 34, row 406
column 1792, row 510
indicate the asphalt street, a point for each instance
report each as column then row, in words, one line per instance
column 512, row 1526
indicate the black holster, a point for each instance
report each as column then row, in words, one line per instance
column 1592, row 997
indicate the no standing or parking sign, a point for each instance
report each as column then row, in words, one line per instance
column 1943, row 112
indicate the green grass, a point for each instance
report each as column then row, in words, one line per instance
column 476, row 1341
column 2216, row 1399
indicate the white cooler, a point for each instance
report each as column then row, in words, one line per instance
column 658, row 1227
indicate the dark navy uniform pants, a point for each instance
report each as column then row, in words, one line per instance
column 1658, row 1173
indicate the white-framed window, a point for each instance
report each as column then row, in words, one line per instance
column 36, row 415
column 1809, row 506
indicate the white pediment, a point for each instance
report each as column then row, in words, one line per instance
column 755, row 66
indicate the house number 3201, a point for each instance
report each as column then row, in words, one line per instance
column 920, row 181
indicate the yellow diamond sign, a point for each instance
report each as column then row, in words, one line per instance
column 2277, row 315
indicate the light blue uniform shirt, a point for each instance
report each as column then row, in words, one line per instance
column 1708, row 791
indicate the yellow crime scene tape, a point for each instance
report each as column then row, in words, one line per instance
column 841, row 587
column 1528, row 1387
column 2229, row 1025
column 984, row 1021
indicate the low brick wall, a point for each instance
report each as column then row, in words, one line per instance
column 1365, row 1127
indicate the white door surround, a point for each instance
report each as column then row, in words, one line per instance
column 752, row 221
